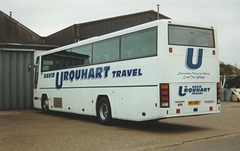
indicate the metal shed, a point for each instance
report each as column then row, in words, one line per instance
column 16, row 80
column 18, row 44
column 86, row 30
column 17, row 47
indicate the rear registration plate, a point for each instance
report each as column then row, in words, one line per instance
column 193, row 102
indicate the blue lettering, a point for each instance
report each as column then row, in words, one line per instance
column 99, row 72
column 91, row 73
column 66, row 75
column 180, row 92
column 189, row 61
column 49, row 75
column 84, row 74
column 124, row 74
column 139, row 72
column 114, row 73
column 118, row 73
column 106, row 69
column 134, row 72
column 129, row 72
column 78, row 72
column 58, row 86
column 195, row 90
column 71, row 75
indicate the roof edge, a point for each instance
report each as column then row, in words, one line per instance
column 18, row 23
column 137, row 13
column 88, row 22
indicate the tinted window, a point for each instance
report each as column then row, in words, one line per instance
column 48, row 62
column 134, row 45
column 190, row 36
column 84, row 54
column 67, row 58
column 107, row 50
column 139, row 44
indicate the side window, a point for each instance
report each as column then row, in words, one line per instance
column 139, row 44
column 107, row 50
column 48, row 62
column 73, row 57
column 67, row 58
column 134, row 45
column 83, row 55
column 36, row 73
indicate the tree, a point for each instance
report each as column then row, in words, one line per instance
column 227, row 69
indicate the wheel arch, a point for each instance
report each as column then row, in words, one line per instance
column 43, row 98
column 98, row 100
column 104, row 110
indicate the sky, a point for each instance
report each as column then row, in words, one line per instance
column 46, row 17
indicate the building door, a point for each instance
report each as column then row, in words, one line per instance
column 16, row 82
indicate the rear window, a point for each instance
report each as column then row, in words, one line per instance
column 190, row 36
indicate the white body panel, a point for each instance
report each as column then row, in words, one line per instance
column 132, row 86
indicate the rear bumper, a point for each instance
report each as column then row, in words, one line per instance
column 193, row 110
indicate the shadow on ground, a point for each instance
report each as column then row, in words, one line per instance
column 149, row 126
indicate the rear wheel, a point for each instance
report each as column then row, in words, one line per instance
column 104, row 114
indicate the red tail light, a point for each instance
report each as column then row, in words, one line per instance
column 211, row 108
column 164, row 95
column 218, row 93
column 213, row 52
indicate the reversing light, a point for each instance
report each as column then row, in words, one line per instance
column 164, row 104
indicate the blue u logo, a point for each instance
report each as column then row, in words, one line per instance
column 189, row 60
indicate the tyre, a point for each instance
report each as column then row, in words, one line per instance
column 45, row 104
column 104, row 113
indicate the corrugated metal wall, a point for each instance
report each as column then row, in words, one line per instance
column 16, row 83
column 14, row 32
column 83, row 31
column 63, row 37
column 98, row 28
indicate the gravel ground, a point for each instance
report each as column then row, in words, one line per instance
column 34, row 130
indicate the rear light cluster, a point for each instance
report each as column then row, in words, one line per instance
column 218, row 93
column 164, row 95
